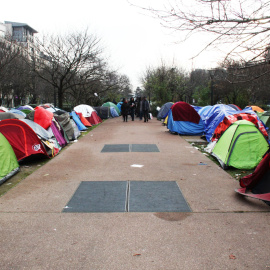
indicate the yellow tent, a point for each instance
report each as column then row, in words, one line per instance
column 257, row 109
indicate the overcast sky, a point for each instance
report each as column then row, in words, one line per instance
column 133, row 41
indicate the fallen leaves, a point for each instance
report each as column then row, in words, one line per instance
column 232, row 257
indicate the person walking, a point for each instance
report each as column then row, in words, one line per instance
column 132, row 108
column 124, row 110
column 145, row 109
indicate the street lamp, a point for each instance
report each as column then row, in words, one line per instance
column 212, row 74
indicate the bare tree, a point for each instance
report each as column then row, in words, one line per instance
column 69, row 62
column 244, row 24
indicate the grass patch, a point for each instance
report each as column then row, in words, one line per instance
column 235, row 173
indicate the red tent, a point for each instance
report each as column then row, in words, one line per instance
column 182, row 111
column 84, row 120
column 94, row 119
column 43, row 117
column 258, row 182
column 228, row 120
column 22, row 138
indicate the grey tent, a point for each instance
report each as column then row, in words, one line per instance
column 66, row 123
column 9, row 115
column 103, row 112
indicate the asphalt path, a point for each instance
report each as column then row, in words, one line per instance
column 222, row 230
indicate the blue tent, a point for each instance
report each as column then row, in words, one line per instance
column 213, row 115
column 187, row 126
column 113, row 112
column 164, row 110
column 18, row 112
column 119, row 104
column 78, row 121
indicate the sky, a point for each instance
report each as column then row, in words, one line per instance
column 132, row 39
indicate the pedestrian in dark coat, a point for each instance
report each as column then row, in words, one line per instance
column 145, row 109
column 132, row 108
column 124, row 110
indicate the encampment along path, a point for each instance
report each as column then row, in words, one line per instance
column 132, row 196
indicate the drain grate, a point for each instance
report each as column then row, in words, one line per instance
column 109, row 148
column 127, row 196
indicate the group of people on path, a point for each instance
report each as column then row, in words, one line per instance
column 140, row 108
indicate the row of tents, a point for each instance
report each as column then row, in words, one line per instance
column 236, row 138
column 28, row 132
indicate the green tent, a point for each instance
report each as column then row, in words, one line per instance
column 8, row 161
column 110, row 104
column 241, row 146
column 265, row 118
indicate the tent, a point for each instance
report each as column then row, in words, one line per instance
column 184, row 120
column 84, row 120
column 257, row 109
column 48, row 139
column 8, row 160
column 241, row 146
column 46, row 119
column 265, row 118
column 3, row 109
column 25, row 107
column 237, row 108
column 10, row 115
column 111, row 105
column 66, row 123
column 119, row 104
column 18, row 112
column 22, row 138
column 164, row 110
column 258, row 182
column 77, row 120
column 212, row 116
column 88, row 113
column 94, row 119
column 41, row 116
column 86, row 110
column 113, row 112
column 228, row 120
column 103, row 112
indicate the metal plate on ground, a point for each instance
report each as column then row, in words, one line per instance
column 144, row 148
column 127, row 196
column 156, row 196
column 98, row 196
column 115, row 148
column 108, row 148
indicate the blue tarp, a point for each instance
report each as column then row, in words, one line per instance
column 184, row 127
column 78, row 121
column 213, row 115
column 164, row 110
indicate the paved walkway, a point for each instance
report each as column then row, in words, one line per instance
column 223, row 231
